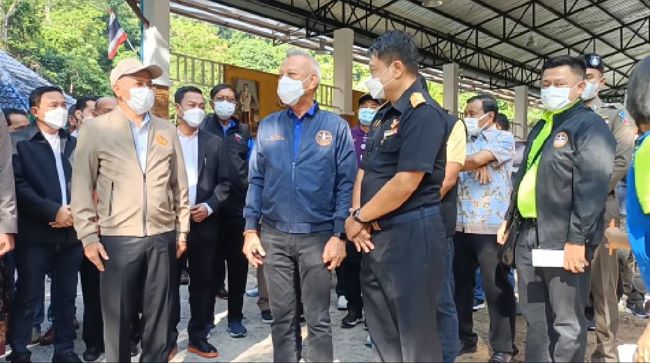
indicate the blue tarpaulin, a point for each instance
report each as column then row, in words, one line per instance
column 17, row 82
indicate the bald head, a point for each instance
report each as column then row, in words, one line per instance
column 638, row 94
column 105, row 105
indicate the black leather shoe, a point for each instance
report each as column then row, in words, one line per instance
column 203, row 349
column 92, row 354
column 466, row 348
column 69, row 357
column 20, row 357
column 222, row 293
column 499, row 357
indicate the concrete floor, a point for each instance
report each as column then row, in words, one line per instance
column 348, row 343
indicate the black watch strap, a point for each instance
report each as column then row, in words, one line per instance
column 356, row 217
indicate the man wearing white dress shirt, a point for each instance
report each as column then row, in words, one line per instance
column 47, row 241
column 208, row 186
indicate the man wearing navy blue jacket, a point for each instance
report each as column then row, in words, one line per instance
column 300, row 191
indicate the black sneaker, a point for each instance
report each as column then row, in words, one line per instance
column 637, row 310
column 267, row 317
column 499, row 357
column 467, row 348
column 92, row 354
column 351, row 320
column 222, row 293
column 69, row 357
column 135, row 349
column 478, row 305
column 20, row 357
column 591, row 325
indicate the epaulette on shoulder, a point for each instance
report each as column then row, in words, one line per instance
column 417, row 99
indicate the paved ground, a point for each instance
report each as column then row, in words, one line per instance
column 348, row 343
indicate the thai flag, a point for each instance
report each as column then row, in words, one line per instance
column 116, row 35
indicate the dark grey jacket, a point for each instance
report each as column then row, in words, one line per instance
column 575, row 167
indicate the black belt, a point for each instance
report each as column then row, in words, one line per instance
column 420, row 213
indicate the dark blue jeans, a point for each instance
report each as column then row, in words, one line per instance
column 32, row 264
column 446, row 313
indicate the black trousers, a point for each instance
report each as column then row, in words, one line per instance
column 93, row 324
column 349, row 278
column 480, row 250
column 552, row 300
column 293, row 268
column 400, row 282
column 229, row 248
column 33, row 263
column 201, row 255
column 144, row 265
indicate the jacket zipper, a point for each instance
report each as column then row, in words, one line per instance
column 144, row 193
column 110, row 200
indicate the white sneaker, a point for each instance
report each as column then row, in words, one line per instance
column 342, row 303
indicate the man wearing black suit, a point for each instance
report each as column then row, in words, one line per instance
column 206, row 163
column 47, row 241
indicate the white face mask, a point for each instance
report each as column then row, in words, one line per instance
column 290, row 90
column 194, row 117
column 590, row 91
column 555, row 98
column 472, row 124
column 142, row 99
column 376, row 88
column 224, row 109
column 56, row 118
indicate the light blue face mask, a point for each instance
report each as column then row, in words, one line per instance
column 366, row 115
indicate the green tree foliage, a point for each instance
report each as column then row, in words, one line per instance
column 66, row 42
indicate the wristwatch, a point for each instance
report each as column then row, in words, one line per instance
column 356, row 217
column 341, row 236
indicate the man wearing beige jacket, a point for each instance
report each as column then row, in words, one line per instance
column 8, row 224
column 134, row 162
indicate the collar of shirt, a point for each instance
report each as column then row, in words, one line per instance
column 144, row 124
column 312, row 111
column 404, row 102
column 231, row 124
column 193, row 135
column 485, row 134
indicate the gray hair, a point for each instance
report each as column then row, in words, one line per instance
column 295, row 52
column 638, row 92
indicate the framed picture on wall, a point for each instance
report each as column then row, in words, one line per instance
column 248, row 100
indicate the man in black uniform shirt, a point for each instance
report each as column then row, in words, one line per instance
column 396, row 215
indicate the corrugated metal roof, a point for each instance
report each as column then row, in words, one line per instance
column 497, row 31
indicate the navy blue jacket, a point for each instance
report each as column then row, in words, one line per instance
column 301, row 173
column 38, row 194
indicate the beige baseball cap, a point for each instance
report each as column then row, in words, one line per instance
column 129, row 66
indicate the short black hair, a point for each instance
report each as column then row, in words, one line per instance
column 637, row 101
column 577, row 64
column 82, row 102
column 37, row 93
column 488, row 103
column 220, row 87
column 502, row 121
column 71, row 110
column 365, row 98
column 12, row 111
column 181, row 92
column 396, row 45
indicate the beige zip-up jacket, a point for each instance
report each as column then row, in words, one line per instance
column 131, row 202
column 8, row 218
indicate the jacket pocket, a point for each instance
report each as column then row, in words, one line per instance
column 110, row 199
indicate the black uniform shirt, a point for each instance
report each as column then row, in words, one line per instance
column 408, row 135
